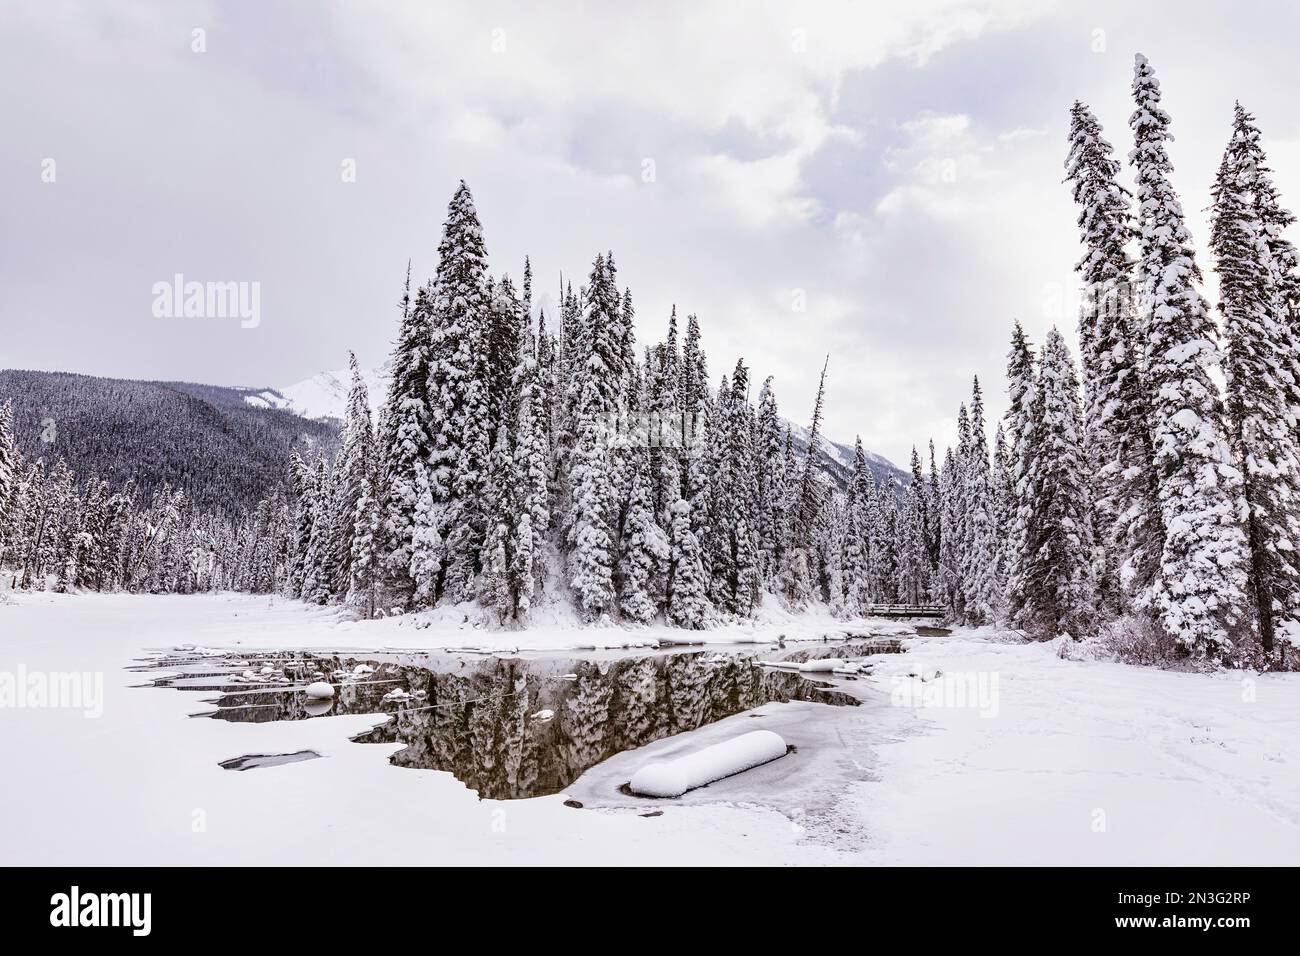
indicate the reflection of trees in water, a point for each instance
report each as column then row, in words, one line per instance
column 637, row 718
column 589, row 734
column 477, row 722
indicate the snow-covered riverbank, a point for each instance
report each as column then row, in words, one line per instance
column 1008, row 755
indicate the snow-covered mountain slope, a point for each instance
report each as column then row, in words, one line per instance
column 838, row 459
column 223, row 450
column 325, row 395
column 322, row 396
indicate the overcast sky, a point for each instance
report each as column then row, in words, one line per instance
column 898, row 166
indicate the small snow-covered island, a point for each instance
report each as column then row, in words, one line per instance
column 549, row 582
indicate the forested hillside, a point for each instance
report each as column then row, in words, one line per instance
column 204, row 439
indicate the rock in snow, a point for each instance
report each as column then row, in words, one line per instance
column 320, row 690
column 672, row 778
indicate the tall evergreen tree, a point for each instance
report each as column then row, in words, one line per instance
column 8, row 481
column 405, row 444
column 646, row 550
column 1022, row 423
column 770, row 484
column 1284, row 259
column 808, row 503
column 1259, row 351
column 461, row 398
column 1200, row 592
column 363, row 586
column 1117, row 411
column 1056, row 567
column 592, row 541
column 980, row 570
column 532, row 463
column 736, row 497
column 688, row 604
column 1004, row 508
column 913, row 565
column 355, row 464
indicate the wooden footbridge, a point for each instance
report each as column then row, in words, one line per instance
column 904, row 610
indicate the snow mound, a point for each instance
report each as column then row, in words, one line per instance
column 320, row 690
column 672, row 778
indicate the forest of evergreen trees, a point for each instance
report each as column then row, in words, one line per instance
column 521, row 458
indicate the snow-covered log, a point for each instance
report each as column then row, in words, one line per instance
column 672, row 778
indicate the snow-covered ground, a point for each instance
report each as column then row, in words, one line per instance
column 1008, row 754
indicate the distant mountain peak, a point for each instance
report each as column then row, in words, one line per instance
column 324, row 395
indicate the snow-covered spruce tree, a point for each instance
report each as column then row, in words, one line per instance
column 736, row 499
column 591, row 557
column 913, row 566
column 33, row 514
column 461, row 396
column 1056, row 568
column 688, row 604
column 501, row 348
column 1274, row 219
column 532, row 463
column 1259, row 351
column 864, row 506
column 698, row 425
column 1116, row 405
column 982, row 591
column 1199, row 595
column 8, row 482
column 853, row 563
column 933, row 510
column 302, row 491
column 500, row 582
column 770, row 485
column 944, row 580
column 404, row 445
column 923, row 504
column 695, row 370
column 546, row 349
column 957, row 526
column 645, row 553
column 318, row 562
column 1022, row 424
column 714, row 527
column 831, row 535
column 363, row 570
column 884, row 541
column 515, row 494
column 1004, row 508
column 666, row 435
column 808, row 495
column 565, row 393
column 355, row 463
column 627, row 408
column 794, row 580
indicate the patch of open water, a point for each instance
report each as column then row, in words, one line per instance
column 507, row 727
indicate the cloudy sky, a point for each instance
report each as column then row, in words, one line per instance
column 894, row 167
